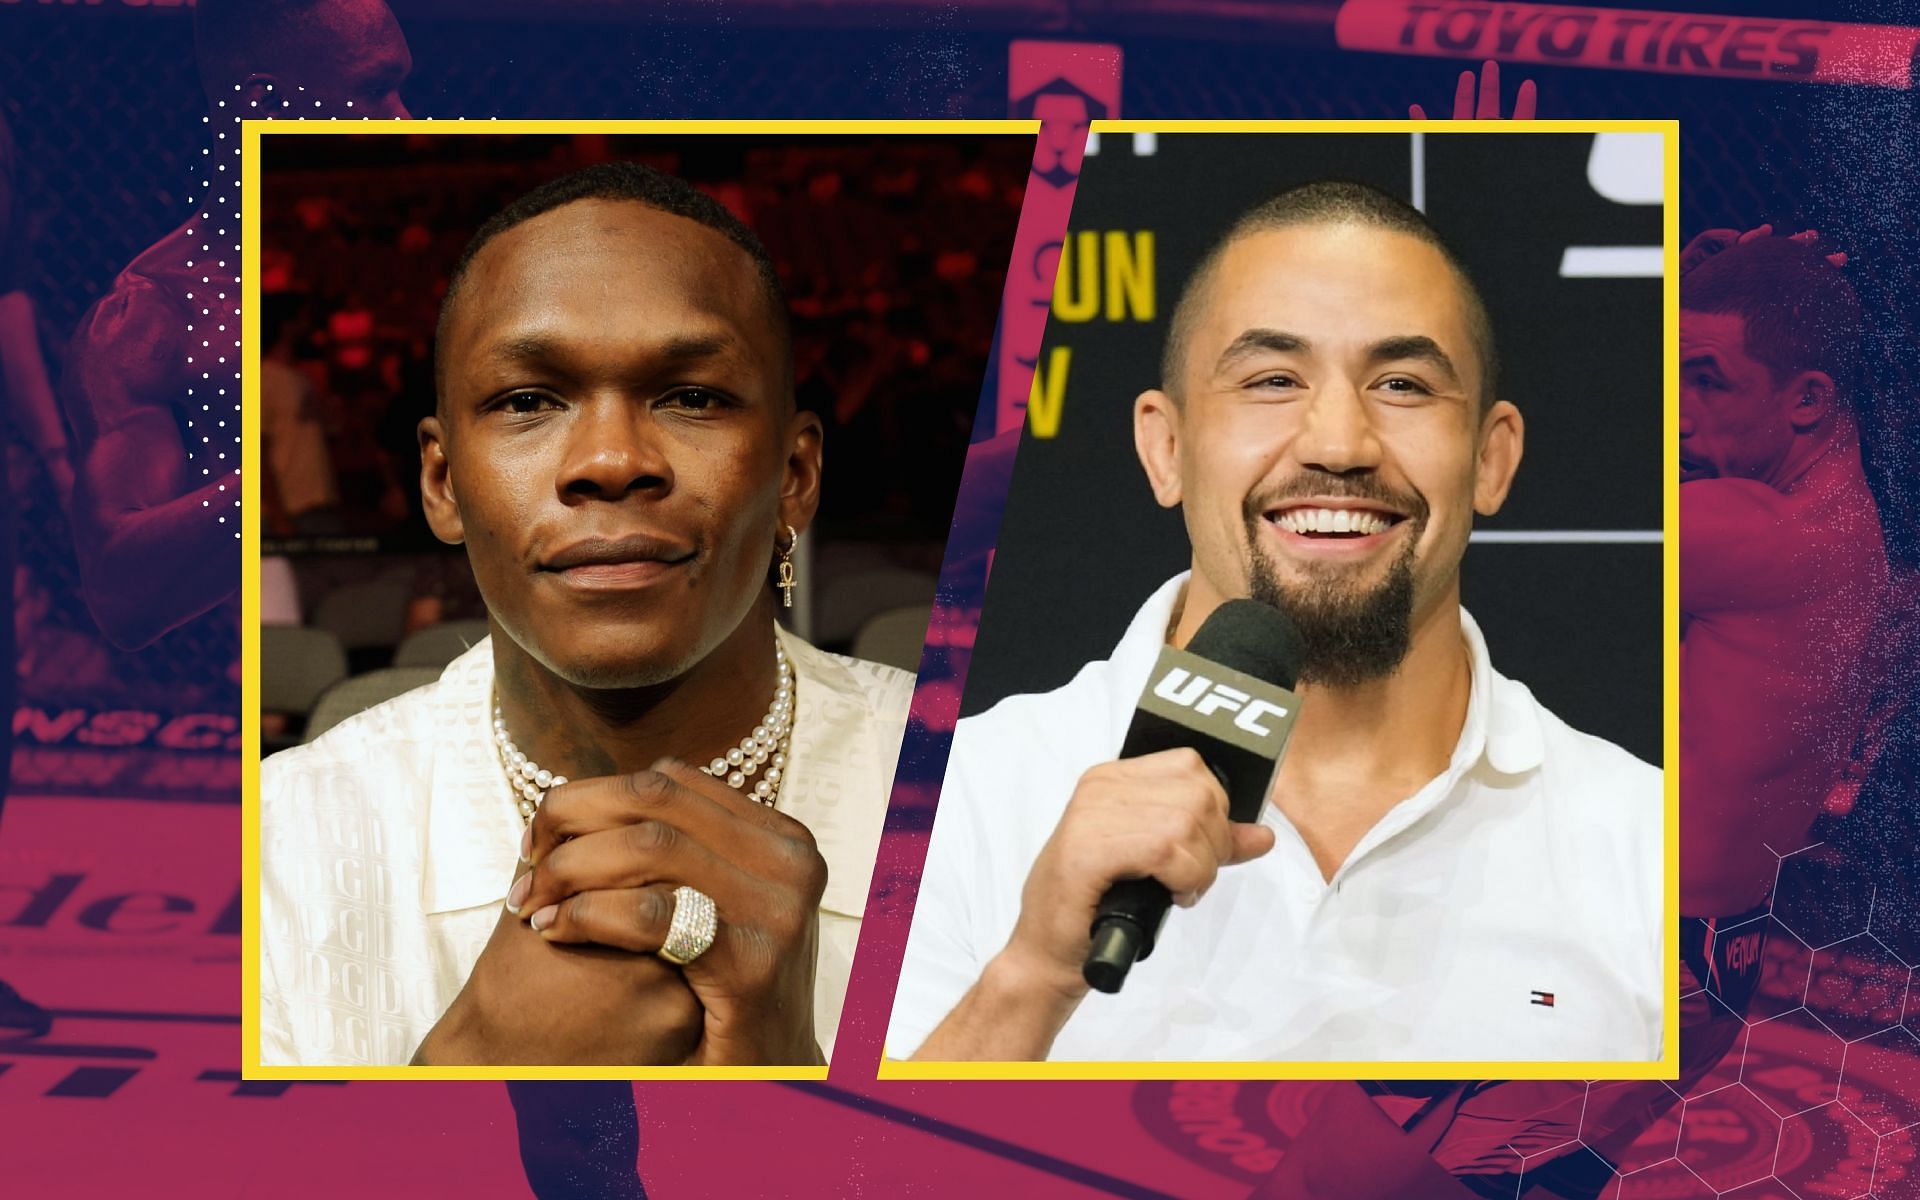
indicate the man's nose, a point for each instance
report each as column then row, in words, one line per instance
column 1338, row 433
column 613, row 449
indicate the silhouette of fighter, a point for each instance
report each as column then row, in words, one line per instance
column 153, row 391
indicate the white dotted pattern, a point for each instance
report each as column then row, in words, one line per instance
column 213, row 436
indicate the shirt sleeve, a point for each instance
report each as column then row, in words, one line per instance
column 276, row 1023
column 942, row 960
column 276, row 909
column 1656, row 1007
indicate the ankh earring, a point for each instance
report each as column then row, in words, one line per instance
column 785, row 583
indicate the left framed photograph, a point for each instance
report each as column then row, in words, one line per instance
column 597, row 476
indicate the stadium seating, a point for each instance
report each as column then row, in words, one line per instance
column 894, row 637
column 297, row 664
column 438, row 645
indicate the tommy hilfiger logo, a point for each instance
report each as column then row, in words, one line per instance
column 1543, row 999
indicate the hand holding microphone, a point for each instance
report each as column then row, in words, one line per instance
column 1159, row 818
column 1155, row 827
column 1140, row 834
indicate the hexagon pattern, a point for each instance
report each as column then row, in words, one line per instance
column 1818, row 1093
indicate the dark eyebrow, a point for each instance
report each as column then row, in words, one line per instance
column 541, row 348
column 1255, row 340
column 691, row 348
column 1700, row 360
column 522, row 349
column 1415, row 347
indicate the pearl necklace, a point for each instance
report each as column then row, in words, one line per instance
column 766, row 746
column 525, row 777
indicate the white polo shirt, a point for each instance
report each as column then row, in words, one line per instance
column 1510, row 910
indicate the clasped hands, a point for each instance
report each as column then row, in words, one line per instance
column 570, row 974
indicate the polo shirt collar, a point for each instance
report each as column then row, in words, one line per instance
column 472, row 840
column 1505, row 730
column 839, row 769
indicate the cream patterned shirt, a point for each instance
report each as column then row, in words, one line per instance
column 387, row 845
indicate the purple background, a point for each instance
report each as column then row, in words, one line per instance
column 119, row 862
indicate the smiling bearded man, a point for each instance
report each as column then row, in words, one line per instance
column 1443, row 869
column 515, row 864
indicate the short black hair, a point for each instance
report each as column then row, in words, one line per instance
column 1801, row 314
column 635, row 183
column 1328, row 201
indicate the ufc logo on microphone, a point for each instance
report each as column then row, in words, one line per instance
column 1205, row 697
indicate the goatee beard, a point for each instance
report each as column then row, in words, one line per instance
column 1352, row 636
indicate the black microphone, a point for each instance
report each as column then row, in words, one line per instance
column 1229, row 696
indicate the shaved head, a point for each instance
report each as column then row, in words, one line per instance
column 1328, row 202
column 347, row 54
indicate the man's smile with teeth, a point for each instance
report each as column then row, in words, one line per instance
column 1336, row 522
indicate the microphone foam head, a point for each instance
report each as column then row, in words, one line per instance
column 1254, row 638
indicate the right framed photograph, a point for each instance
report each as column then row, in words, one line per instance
column 1323, row 716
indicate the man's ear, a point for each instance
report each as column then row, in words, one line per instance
column 259, row 95
column 1156, row 439
column 1811, row 396
column 800, row 472
column 436, row 484
column 1503, row 436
